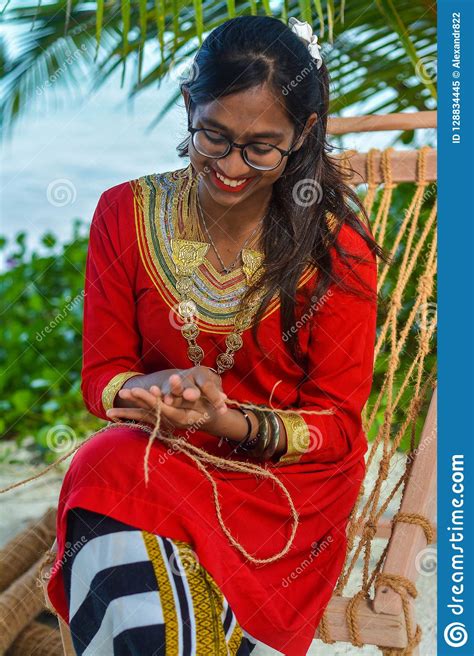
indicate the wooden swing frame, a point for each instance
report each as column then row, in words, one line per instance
column 382, row 621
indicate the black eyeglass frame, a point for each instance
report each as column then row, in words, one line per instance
column 242, row 147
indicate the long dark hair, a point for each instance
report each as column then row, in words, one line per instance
column 248, row 51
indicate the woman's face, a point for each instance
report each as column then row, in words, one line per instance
column 251, row 115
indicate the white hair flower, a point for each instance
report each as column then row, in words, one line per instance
column 304, row 30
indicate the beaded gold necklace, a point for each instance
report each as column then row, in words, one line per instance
column 187, row 255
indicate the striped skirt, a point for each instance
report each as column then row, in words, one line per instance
column 131, row 592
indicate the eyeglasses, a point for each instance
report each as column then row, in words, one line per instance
column 257, row 154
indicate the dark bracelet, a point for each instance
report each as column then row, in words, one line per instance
column 249, row 427
column 275, row 438
column 246, row 443
column 264, row 433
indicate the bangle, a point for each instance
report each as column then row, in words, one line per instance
column 275, row 437
column 264, row 433
column 249, row 427
column 246, row 443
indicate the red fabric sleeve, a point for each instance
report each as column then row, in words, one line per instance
column 340, row 358
column 111, row 341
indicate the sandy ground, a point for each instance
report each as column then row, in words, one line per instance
column 23, row 504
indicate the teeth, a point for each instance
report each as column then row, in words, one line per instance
column 230, row 183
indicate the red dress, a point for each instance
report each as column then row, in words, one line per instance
column 131, row 326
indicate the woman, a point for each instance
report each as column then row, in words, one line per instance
column 245, row 277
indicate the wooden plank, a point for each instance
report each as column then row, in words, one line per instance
column 408, row 540
column 375, row 628
column 378, row 122
column 403, row 164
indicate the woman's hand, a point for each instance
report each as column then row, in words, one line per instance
column 192, row 396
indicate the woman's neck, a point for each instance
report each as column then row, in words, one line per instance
column 235, row 222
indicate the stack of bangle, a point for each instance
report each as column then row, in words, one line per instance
column 265, row 443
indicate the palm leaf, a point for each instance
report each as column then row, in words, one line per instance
column 371, row 59
column 395, row 20
column 99, row 19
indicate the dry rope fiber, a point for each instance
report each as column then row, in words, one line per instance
column 411, row 243
column 199, row 457
column 20, row 603
column 405, row 588
column 415, row 241
column 26, row 547
column 38, row 639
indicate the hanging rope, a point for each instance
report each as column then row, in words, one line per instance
column 411, row 242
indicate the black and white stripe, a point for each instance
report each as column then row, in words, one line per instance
column 113, row 595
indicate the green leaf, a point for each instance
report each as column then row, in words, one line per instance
column 319, row 11
column 49, row 240
column 393, row 16
column 160, row 24
column 125, row 8
column 306, row 12
column 231, row 8
column 267, row 8
column 199, row 18
column 98, row 24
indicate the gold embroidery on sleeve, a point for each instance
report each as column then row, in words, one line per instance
column 114, row 385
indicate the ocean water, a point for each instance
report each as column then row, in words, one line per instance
column 67, row 149
column 61, row 157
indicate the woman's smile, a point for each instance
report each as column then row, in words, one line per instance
column 229, row 184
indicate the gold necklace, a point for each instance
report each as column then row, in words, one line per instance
column 187, row 255
column 209, row 236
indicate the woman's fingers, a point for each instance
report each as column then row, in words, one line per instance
column 175, row 389
column 182, row 416
column 214, row 395
column 131, row 413
column 184, row 391
column 128, row 395
column 181, row 388
column 143, row 398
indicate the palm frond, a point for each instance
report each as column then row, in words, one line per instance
column 369, row 50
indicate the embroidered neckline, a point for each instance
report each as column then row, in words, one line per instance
column 163, row 205
column 196, row 235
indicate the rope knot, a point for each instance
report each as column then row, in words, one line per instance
column 370, row 529
column 398, row 583
column 384, row 468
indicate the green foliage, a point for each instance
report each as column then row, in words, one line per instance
column 41, row 349
column 381, row 59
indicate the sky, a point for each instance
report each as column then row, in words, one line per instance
column 63, row 155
